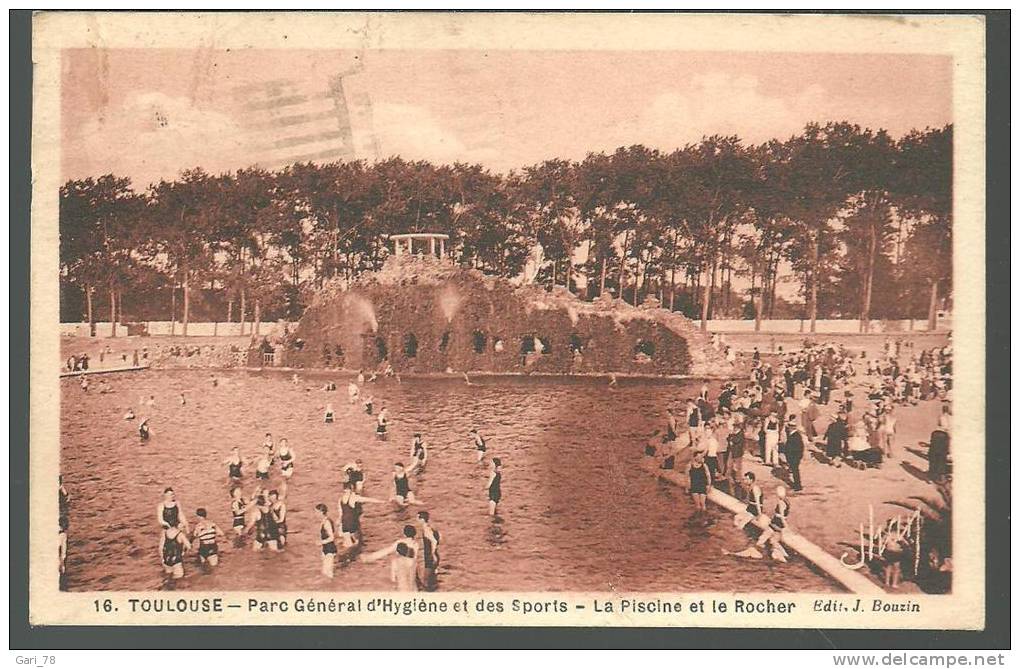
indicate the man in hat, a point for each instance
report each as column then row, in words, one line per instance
column 794, row 450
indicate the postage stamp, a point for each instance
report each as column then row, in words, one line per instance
column 508, row 319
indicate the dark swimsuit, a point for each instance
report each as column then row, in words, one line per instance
column 479, row 444
column 350, row 517
column 173, row 552
column 172, row 515
column 286, row 461
column 403, row 487
column 754, row 506
column 265, row 527
column 495, row 494
column 699, row 480
column 428, row 540
column 235, row 470
column 330, row 548
column 780, row 515
column 281, row 525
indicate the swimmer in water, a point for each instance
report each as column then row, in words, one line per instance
column 403, row 566
column 130, row 415
column 467, row 379
column 327, row 541
column 419, row 454
column 168, row 513
column 380, row 423
column 355, row 475
column 233, row 464
column 328, row 415
column 206, row 532
column 213, row 380
column 613, row 384
column 84, row 383
column 62, row 524
column 373, row 377
column 270, row 447
column 238, row 510
column 402, row 493
column 700, row 477
column 286, row 459
column 494, row 485
column 172, row 547
column 479, row 443
column 264, row 523
column 183, row 400
column 367, row 404
column 279, row 512
column 151, row 401
column 262, row 466
column 429, row 551
column 143, row 430
column 349, row 508
column 361, row 376
column 295, row 379
column 353, row 392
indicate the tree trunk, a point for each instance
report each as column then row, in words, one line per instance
column 173, row 307
column 813, row 306
column 230, row 310
column 113, row 313
column 91, row 314
column 756, row 301
column 868, row 281
column 706, row 300
column 258, row 316
column 187, row 304
column 623, row 261
column 602, row 277
column 933, row 302
column 244, row 312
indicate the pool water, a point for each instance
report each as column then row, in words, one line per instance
column 578, row 512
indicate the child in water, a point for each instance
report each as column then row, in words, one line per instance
column 143, row 430
column 238, row 509
column 494, row 486
column 353, row 392
column 380, row 424
column 328, row 415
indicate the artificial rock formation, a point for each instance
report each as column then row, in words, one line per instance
column 425, row 315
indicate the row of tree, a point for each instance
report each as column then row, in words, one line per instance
column 860, row 221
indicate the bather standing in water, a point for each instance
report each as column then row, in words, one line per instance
column 494, row 485
column 234, row 463
column 402, row 493
column 419, row 454
column 479, row 443
column 403, row 566
column 349, row 509
column 380, row 423
column 368, row 403
column 286, row 459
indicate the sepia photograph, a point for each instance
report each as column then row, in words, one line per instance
column 555, row 319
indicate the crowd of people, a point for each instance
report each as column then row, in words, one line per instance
column 803, row 402
column 260, row 514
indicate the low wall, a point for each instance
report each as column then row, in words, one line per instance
column 163, row 328
column 829, row 326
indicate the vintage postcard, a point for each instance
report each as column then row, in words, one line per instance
column 546, row 319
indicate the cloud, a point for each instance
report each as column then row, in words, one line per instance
column 153, row 136
column 716, row 103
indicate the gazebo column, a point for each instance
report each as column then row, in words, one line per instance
column 432, row 246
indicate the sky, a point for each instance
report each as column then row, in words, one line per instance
column 150, row 113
